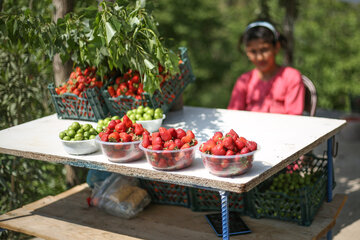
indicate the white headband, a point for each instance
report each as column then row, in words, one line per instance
column 263, row 24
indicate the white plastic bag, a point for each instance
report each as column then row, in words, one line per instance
column 120, row 196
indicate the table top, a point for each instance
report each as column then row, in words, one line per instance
column 281, row 140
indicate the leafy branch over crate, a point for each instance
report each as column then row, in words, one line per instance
column 121, row 35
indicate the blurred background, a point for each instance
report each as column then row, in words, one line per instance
column 324, row 42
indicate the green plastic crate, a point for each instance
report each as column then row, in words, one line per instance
column 207, row 200
column 301, row 205
column 91, row 107
column 166, row 193
column 170, row 91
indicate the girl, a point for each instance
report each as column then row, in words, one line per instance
column 269, row 87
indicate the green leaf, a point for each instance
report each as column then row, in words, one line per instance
column 110, row 32
column 148, row 64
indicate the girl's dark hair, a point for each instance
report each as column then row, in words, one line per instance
column 262, row 32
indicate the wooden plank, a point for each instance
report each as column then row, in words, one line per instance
column 281, row 138
column 67, row 216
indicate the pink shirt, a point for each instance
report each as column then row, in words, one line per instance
column 284, row 93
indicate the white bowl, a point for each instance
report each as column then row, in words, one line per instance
column 80, row 147
column 152, row 125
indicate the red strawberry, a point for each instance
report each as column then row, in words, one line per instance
column 186, row 139
column 233, row 134
column 104, row 137
column 157, row 147
column 114, row 137
column 218, row 150
column 112, row 124
column 146, row 140
column 239, row 144
column 225, row 163
column 180, row 133
column 164, row 134
column 242, row 139
column 167, row 143
column 138, row 129
column 186, row 145
column 162, row 163
column 217, row 136
column 155, row 135
column 120, row 127
column 190, row 133
column 229, row 153
column 172, row 132
column 244, row 150
column 228, row 142
column 157, row 141
column 178, row 143
column 127, row 121
column 172, row 146
column 251, row 145
column 125, row 137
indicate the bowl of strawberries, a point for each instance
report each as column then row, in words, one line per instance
column 169, row 149
column 120, row 140
column 228, row 155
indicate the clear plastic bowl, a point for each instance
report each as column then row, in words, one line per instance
column 120, row 152
column 226, row 166
column 170, row 159
column 80, row 147
column 152, row 125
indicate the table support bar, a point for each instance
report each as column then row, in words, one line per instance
column 225, row 214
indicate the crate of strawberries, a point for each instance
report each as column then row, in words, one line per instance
column 80, row 98
column 125, row 91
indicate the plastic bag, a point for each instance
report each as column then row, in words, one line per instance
column 120, row 196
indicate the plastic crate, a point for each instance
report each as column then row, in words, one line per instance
column 170, row 91
column 91, row 107
column 301, row 205
column 166, row 193
column 207, row 200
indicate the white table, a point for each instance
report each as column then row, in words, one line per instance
column 281, row 140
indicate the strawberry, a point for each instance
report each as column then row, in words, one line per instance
column 178, row 143
column 186, row 139
column 157, row 141
column 186, row 145
column 233, row 134
column 155, row 135
column 225, row 163
column 127, row 121
column 190, row 133
column 251, row 145
column 157, row 147
column 180, row 133
column 138, row 129
column 104, row 137
column 244, row 150
column 218, row 150
column 165, row 134
column 114, row 137
column 239, row 144
column 172, row 132
column 228, row 142
column 111, row 91
column 125, row 137
column 112, row 124
column 162, row 163
column 229, row 153
column 146, row 140
column 217, row 136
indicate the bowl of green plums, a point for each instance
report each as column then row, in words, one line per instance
column 79, row 139
column 150, row 118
